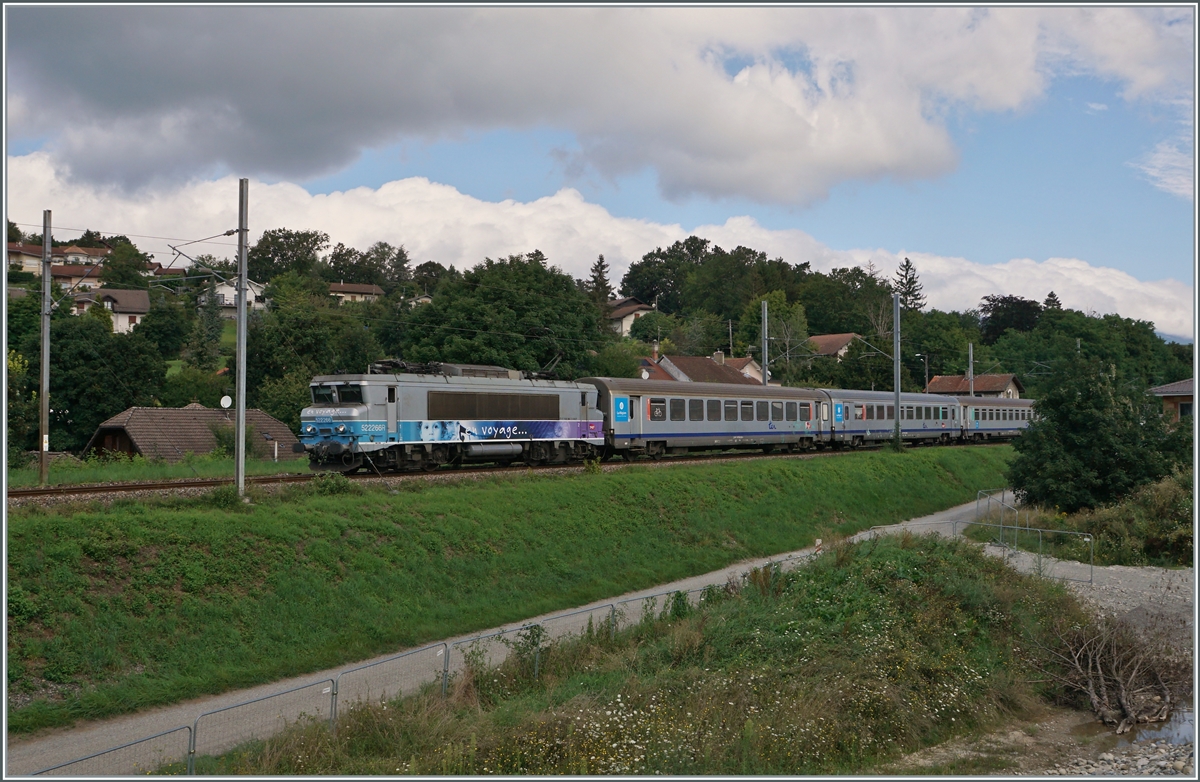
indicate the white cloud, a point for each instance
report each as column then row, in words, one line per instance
column 820, row 95
column 1097, row 107
column 436, row 222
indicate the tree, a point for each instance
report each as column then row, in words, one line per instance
column 282, row 250
column 1052, row 302
column 845, row 300
column 659, row 277
column 14, row 233
column 22, row 407
column 202, row 349
column 620, row 359
column 168, row 324
column 1095, row 437
column 599, row 287
column 517, row 312
column 1001, row 313
column 191, row 384
column 653, row 326
column 909, row 287
column 94, row 374
column 125, row 268
column 425, row 278
column 787, row 328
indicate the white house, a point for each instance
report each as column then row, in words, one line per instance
column 354, row 291
column 227, row 298
column 623, row 312
column 128, row 308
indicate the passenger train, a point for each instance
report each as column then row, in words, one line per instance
column 425, row 416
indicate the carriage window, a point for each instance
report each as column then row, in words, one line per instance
column 824, row 411
column 731, row 410
column 322, row 395
column 929, row 414
column 658, row 409
column 891, row 411
column 944, row 412
column 911, row 413
column 777, row 411
column 695, row 409
column 976, row 412
column 790, row 407
column 858, row 412
column 991, row 414
column 805, row 411
column 919, row 414
column 870, row 412
column 747, row 411
column 678, row 410
column 954, row 414
column 762, row 410
column 714, row 409
column 350, row 395
column 391, row 395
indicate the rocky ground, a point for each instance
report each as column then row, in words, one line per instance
column 1066, row 742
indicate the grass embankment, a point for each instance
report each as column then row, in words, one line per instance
column 873, row 650
column 142, row 603
column 109, row 470
column 1152, row 526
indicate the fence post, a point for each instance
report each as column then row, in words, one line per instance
column 445, row 667
column 537, row 659
column 333, row 703
column 612, row 622
column 191, row 761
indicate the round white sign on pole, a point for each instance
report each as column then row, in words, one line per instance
column 226, row 401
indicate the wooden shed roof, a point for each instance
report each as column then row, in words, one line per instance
column 169, row 433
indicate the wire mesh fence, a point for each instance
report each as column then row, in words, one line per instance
column 144, row 756
column 223, row 729
column 397, row 676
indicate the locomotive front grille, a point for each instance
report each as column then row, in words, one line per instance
column 326, row 431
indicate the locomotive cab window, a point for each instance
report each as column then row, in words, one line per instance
column 747, row 411
column 731, row 410
column 391, row 395
column 350, row 395
column 777, row 411
column 695, row 409
column 322, row 395
column 658, row 410
column 678, row 410
column 714, row 409
column 790, row 411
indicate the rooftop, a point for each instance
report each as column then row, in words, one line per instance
column 1178, row 388
column 984, row 384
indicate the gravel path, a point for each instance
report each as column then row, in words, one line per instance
column 1119, row 590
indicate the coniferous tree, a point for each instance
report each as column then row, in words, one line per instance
column 1052, row 302
column 599, row 287
column 909, row 287
column 203, row 348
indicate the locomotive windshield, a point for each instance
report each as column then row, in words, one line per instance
column 350, row 395
column 322, row 395
column 346, row 395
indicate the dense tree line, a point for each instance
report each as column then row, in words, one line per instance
column 523, row 312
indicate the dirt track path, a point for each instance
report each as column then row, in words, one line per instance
column 1116, row 589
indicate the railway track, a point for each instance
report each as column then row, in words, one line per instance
column 65, row 490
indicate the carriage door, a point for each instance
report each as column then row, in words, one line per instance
column 391, row 413
column 637, row 415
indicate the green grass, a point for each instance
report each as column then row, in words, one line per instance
column 149, row 603
column 174, row 367
column 229, row 334
column 873, row 650
column 69, row 472
column 1152, row 526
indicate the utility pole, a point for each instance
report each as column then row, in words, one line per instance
column 971, row 366
column 764, row 341
column 896, row 362
column 242, row 289
column 44, row 386
column 731, row 339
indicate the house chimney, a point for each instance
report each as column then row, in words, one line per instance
column 655, row 346
column 719, row 357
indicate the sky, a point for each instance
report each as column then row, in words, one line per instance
column 1004, row 150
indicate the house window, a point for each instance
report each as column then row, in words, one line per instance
column 133, row 320
column 678, row 410
column 695, row 409
column 108, row 304
column 714, row 409
column 731, row 410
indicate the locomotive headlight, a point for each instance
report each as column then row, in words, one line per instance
column 310, row 429
column 341, row 429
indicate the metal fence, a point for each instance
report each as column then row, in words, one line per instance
column 143, row 756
